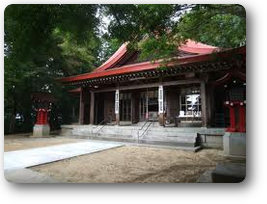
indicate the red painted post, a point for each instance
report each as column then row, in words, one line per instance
column 41, row 117
column 232, row 118
column 37, row 117
column 242, row 118
column 232, row 127
column 45, row 116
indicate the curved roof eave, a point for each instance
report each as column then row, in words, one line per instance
column 144, row 66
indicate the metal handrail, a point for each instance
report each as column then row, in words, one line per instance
column 140, row 130
column 144, row 130
column 104, row 120
column 142, row 127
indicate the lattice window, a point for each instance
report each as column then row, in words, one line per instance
column 190, row 104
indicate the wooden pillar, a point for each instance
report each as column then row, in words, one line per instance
column 212, row 106
column 147, row 115
column 81, row 111
column 134, row 107
column 209, row 91
column 168, row 97
column 161, row 105
column 242, row 117
column 203, row 103
column 73, row 112
column 92, row 107
column 117, row 106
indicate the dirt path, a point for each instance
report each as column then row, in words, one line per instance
column 23, row 141
column 133, row 164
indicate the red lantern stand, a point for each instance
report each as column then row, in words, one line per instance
column 42, row 115
column 41, row 127
column 236, row 107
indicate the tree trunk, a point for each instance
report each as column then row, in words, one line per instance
column 13, row 119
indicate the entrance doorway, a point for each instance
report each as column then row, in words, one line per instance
column 125, row 107
column 153, row 105
column 148, row 105
column 143, row 106
column 99, row 108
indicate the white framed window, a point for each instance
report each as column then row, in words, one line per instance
column 190, row 104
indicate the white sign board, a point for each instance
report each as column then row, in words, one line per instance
column 160, row 99
column 117, row 102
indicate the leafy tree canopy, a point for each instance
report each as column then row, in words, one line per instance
column 159, row 29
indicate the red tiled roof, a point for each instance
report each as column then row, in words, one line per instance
column 74, row 91
column 202, row 51
column 113, row 59
column 197, row 47
column 189, row 46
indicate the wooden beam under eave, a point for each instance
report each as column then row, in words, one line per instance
column 152, row 85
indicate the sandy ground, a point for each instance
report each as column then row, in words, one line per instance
column 23, row 141
column 134, row 164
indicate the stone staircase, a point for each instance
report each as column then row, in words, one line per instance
column 149, row 133
column 102, row 132
column 171, row 136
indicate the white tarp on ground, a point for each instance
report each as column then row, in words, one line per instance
column 36, row 156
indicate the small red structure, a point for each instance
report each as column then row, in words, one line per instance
column 237, row 116
column 43, row 103
column 42, row 115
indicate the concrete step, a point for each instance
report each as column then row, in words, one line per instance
column 175, row 129
column 189, row 129
column 106, row 130
column 106, row 138
column 122, row 127
column 113, row 136
column 81, row 132
column 171, row 133
column 215, row 131
column 194, row 149
column 170, row 138
column 168, row 143
column 117, row 132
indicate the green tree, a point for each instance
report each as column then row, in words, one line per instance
column 161, row 28
column 219, row 25
column 43, row 42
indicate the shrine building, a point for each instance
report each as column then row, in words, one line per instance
column 201, row 86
